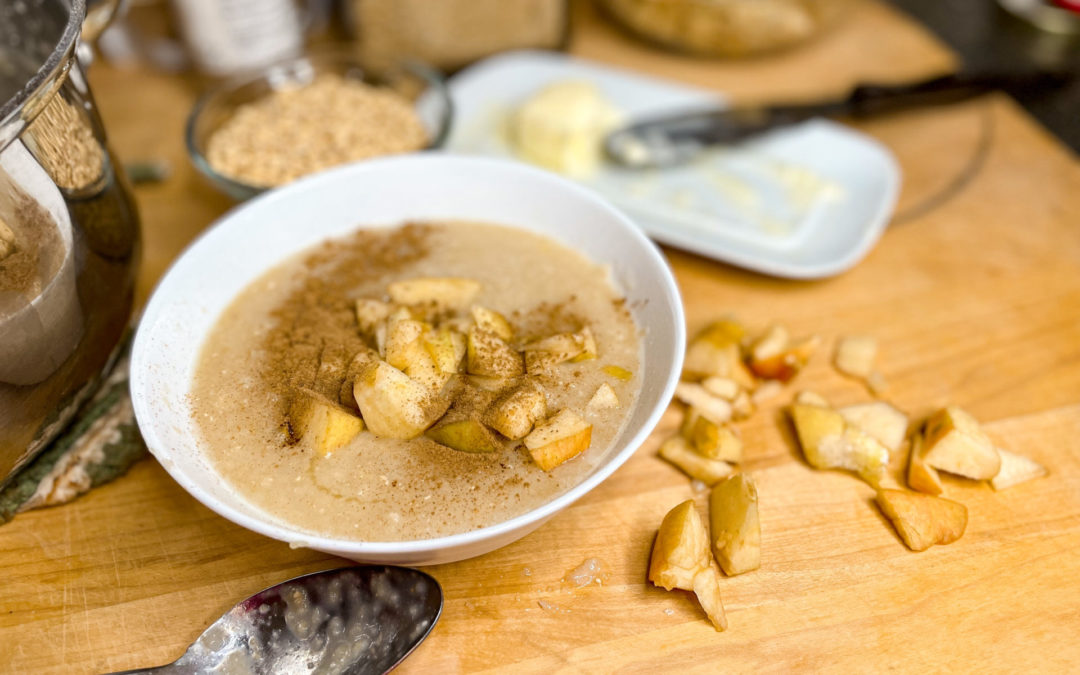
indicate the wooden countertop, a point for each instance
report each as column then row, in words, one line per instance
column 976, row 301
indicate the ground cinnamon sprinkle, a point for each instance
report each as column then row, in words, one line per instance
column 313, row 335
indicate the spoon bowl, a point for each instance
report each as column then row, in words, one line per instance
column 354, row 620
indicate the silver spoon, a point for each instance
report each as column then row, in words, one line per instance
column 363, row 619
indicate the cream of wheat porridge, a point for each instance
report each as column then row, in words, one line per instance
column 295, row 333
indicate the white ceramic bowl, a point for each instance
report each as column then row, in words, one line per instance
column 263, row 232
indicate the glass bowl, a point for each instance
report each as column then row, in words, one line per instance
column 416, row 82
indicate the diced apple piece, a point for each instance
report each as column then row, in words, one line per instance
column 369, row 313
column 489, row 355
column 724, row 387
column 743, row 407
column 492, row 322
column 734, row 526
column 558, row 439
column 813, row 424
column 605, row 398
column 855, row 355
column 956, row 443
column 445, row 293
column 923, row 520
column 766, row 391
column 393, row 404
column 322, row 423
column 679, row 452
column 446, row 348
column 716, row 441
column 681, row 549
column 465, row 435
column 1016, row 469
column 618, row 372
column 588, row 346
column 812, row 398
column 828, row 442
column 550, row 351
column 514, row 413
column 707, row 592
column 920, row 476
column 774, row 357
column 715, row 409
column 879, row 419
column 717, row 351
column 403, row 344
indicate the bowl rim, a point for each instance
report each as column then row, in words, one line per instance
column 141, row 374
column 436, row 82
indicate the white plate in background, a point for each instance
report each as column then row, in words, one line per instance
column 804, row 202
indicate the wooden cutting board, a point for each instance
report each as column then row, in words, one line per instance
column 974, row 293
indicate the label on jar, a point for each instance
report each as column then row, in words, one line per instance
column 226, row 37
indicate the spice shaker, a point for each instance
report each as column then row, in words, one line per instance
column 230, row 37
column 69, row 233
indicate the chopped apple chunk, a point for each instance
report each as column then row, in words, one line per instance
column 680, row 559
column 558, row 439
column 923, row 520
column 403, row 344
column 681, row 549
column 465, row 435
column 1016, row 469
column 715, row 441
column 489, row 355
column 394, row 405
column 920, row 476
column 717, row 352
column 541, row 355
column 369, row 313
column 619, row 373
column 605, row 398
column 879, row 419
column 829, row 442
column 734, row 526
column 955, row 442
column 492, row 322
column 515, row 412
column 678, row 451
column 713, row 408
column 445, row 293
column 774, row 357
column 766, row 391
column 588, row 346
column 321, row 423
column 446, row 348
column 724, row 387
column 855, row 355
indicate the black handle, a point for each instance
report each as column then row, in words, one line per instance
column 875, row 99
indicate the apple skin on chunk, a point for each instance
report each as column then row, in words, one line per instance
column 717, row 352
column 775, row 357
column 923, row 520
column 465, row 435
column 680, row 559
column 558, row 439
column 444, row 292
column 920, row 476
column 320, row 422
column 715, row 441
column 734, row 525
column 829, row 442
column 394, row 405
column 956, row 443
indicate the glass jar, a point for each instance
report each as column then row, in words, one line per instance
column 69, row 232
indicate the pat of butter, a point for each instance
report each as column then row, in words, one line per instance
column 562, row 127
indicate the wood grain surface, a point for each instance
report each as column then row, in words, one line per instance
column 974, row 293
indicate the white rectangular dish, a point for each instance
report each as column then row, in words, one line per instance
column 804, row 202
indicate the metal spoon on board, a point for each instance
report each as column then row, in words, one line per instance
column 354, row 620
